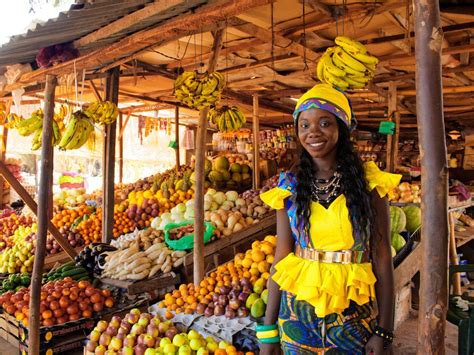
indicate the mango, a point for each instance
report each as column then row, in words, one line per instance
column 251, row 300
column 258, row 308
column 264, row 296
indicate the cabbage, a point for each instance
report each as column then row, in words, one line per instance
column 211, row 192
column 219, row 197
column 232, row 195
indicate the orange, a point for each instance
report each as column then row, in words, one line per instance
column 258, row 255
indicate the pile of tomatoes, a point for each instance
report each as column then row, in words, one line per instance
column 61, row 301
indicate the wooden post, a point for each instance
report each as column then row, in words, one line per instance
column 45, row 199
column 394, row 114
column 453, row 256
column 120, row 141
column 176, row 135
column 392, row 108
column 434, row 180
column 3, row 150
column 198, row 253
column 256, row 144
column 108, row 166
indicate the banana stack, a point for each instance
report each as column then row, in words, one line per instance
column 105, row 112
column 199, row 91
column 34, row 125
column 347, row 65
column 226, row 118
column 77, row 132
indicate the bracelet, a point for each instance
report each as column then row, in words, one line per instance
column 265, row 327
column 267, row 334
column 385, row 334
column 270, row 340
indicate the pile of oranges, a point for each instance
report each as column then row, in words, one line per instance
column 123, row 224
column 91, row 228
column 67, row 217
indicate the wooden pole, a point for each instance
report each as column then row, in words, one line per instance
column 256, row 144
column 392, row 107
column 108, row 166
column 434, row 197
column 198, row 253
column 394, row 114
column 45, row 199
column 120, row 141
column 3, row 150
column 176, row 136
column 453, row 256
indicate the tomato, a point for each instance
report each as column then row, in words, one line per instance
column 48, row 322
column 26, row 297
column 62, row 320
column 47, row 314
column 109, row 302
column 74, row 317
column 56, row 294
column 68, row 279
column 54, row 305
column 72, row 309
column 83, row 284
column 90, row 291
column 73, row 296
column 64, row 302
column 82, row 294
column 106, row 292
column 96, row 298
column 44, row 294
column 58, row 313
column 66, row 292
column 98, row 307
column 11, row 309
column 75, row 289
column 87, row 313
column 83, row 306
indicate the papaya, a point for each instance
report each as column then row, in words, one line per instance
column 258, row 308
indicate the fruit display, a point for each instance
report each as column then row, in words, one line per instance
column 134, row 264
column 413, row 218
column 77, row 132
column 145, row 334
column 179, row 232
column 198, row 91
column 226, row 118
column 69, row 198
column 103, row 113
column 8, row 226
column 223, row 174
column 91, row 257
column 398, row 222
column 406, row 193
column 15, row 282
column 235, row 289
column 144, row 239
column 61, row 301
column 18, row 258
column 34, row 125
column 70, row 269
column 347, row 65
column 90, row 228
column 66, row 218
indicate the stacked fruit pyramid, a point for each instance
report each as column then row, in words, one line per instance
column 198, row 91
column 347, row 65
column 226, row 118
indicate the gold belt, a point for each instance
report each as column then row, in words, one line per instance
column 340, row 257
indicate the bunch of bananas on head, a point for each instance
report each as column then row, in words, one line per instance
column 105, row 112
column 199, row 91
column 34, row 125
column 347, row 65
column 77, row 131
column 226, row 118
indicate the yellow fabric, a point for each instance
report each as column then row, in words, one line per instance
column 329, row 287
column 328, row 93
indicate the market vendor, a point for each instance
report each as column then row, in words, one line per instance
column 333, row 255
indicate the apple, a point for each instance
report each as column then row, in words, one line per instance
column 169, row 349
column 223, row 344
column 115, row 344
column 121, row 336
column 171, row 332
column 149, row 341
column 135, row 311
column 111, row 330
column 179, row 340
column 164, row 342
column 163, row 327
column 100, row 350
column 110, row 352
column 202, row 351
column 94, row 335
column 102, row 326
column 212, row 346
column 143, row 322
column 156, row 321
column 125, row 324
column 195, row 344
column 140, row 349
column 184, row 350
column 152, row 330
column 146, row 315
column 137, row 329
column 91, row 345
column 193, row 334
column 127, row 350
column 150, row 351
column 132, row 318
column 129, row 341
column 115, row 321
column 104, row 339
column 141, row 339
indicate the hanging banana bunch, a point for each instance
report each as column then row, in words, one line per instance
column 105, row 112
column 347, row 65
column 3, row 113
column 27, row 127
column 60, row 116
column 77, row 132
column 226, row 118
column 199, row 91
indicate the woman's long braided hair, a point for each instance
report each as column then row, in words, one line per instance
column 353, row 185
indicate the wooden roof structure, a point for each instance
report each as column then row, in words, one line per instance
column 269, row 49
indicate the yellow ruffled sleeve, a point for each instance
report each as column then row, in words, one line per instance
column 382, row 181
column 328, row 287
column 275, row 198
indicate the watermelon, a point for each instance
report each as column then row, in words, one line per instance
column 398, row 219
column 413, row 214
column 397, row 241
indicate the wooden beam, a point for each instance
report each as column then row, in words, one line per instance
column 198, row 252
column 391, row 78
column 176, row 136
column 127, row 21
column 173, row 29
column 318, row 6
column 392, row 107
column 95, row 91
column 3, row 148
column 393, row 58
column 145, row 108
column 45, row 201
column 108, row 165
column 256, row 143
column 122, row 127
column 267, row 104
column 453, row 256
column 120, row 142
column 434, row 197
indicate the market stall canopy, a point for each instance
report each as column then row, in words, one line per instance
column 272, row 53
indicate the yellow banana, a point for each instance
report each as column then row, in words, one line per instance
column 354, row 84
column 36, row 143
column 335, row 81
column 69, row 132
column 350, row 45
column 77, row 135
column 329, row 65
column 337, row 60
column 365, row 58
column 351, row 61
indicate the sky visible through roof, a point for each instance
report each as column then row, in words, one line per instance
column 17, row 17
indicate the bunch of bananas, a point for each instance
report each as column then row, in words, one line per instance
column 77, row 132
column 3, row 113
column 226, row 118
column 12, row 120
column 61, row 115
column 105, row 112
column 199, row 91
column 347, row 65
column 34, row 125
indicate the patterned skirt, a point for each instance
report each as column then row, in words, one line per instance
column 303, row 333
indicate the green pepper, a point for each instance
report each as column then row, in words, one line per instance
column 16, row 279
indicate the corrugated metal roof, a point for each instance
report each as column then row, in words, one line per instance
column 76, row 23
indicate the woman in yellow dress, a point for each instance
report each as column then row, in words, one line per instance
column 333, row 255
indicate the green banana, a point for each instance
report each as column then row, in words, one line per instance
column 69, row 132
column 37, row 140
